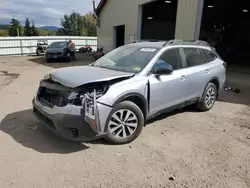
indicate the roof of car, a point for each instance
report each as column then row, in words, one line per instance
column 149, row 44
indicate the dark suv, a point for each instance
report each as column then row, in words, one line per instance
column 58, row 50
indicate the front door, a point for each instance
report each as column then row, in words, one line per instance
column 168, row 90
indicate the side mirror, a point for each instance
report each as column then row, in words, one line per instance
column 162, row 69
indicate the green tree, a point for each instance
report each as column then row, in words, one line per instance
column 34, row 31
column 76, row 25
column 51, row 33
column 73, row 24
column 42, row 32
column 60, row 32
column 3, row 33
column 14, row 28
column 89, row 24
column 27, row 28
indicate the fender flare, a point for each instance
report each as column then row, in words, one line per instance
column 121, row 98
column 213, row 78
column 132, row 94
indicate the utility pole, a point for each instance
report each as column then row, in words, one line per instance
column 17, row 32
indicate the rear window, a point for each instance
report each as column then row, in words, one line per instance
column 194, row 57
column 209, row 55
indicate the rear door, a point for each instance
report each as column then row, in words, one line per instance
column 197, row 72
column 168, row 90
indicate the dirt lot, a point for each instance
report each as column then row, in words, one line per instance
column 196, row 149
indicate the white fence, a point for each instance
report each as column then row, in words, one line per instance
column 27, row 45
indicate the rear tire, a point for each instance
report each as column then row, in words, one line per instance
column 208, row 98
column 125, row 123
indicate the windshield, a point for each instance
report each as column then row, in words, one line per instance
column 58, row 45
column 127, row 58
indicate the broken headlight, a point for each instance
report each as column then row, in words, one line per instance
column 99, row 92
column 77, row 98
column 91, row 112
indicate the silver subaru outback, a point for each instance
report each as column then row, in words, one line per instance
column 113, row 97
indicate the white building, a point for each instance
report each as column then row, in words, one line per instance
column 124, row 21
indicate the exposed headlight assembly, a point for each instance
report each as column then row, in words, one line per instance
column 98, row 92
column 78, row 98
column 91, row 112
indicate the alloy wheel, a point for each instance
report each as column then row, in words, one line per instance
column 210, row 97
column 123, row 123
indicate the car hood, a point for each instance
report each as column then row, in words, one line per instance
column 80, row 75
column 53, row 50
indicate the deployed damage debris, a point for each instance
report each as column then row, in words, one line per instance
column 236, row 90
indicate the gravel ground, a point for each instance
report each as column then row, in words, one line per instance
column 184, row 148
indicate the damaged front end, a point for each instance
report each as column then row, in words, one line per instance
column 91, row 111
column 74, row 112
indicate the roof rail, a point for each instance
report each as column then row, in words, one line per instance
column 175, row 41
column 200, row 42
column 182, row 42
column 136, row 41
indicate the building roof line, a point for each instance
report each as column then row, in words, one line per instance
column 100, row 6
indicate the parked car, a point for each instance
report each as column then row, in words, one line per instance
column 58, row 50
column 113, row 97
column 85, row 49
column 41, row 47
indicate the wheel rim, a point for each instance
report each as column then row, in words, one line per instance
column 210, row 97
column 123, row 123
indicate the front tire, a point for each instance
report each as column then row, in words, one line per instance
column 125, row 123
column 208, row 98
column 38, row 52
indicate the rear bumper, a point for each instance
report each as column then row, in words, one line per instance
column 222, row 85
column 67, row 122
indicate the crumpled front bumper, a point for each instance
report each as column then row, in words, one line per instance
column 96, row 114
column 69, row 121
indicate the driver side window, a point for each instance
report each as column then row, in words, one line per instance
column 171, row 57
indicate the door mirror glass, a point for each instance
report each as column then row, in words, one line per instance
column 162, row 68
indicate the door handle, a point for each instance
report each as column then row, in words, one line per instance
column 207, row 71
column 183, row 77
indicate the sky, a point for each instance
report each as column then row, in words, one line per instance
column 42, row 12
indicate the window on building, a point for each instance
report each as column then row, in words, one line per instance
column 194, row 57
